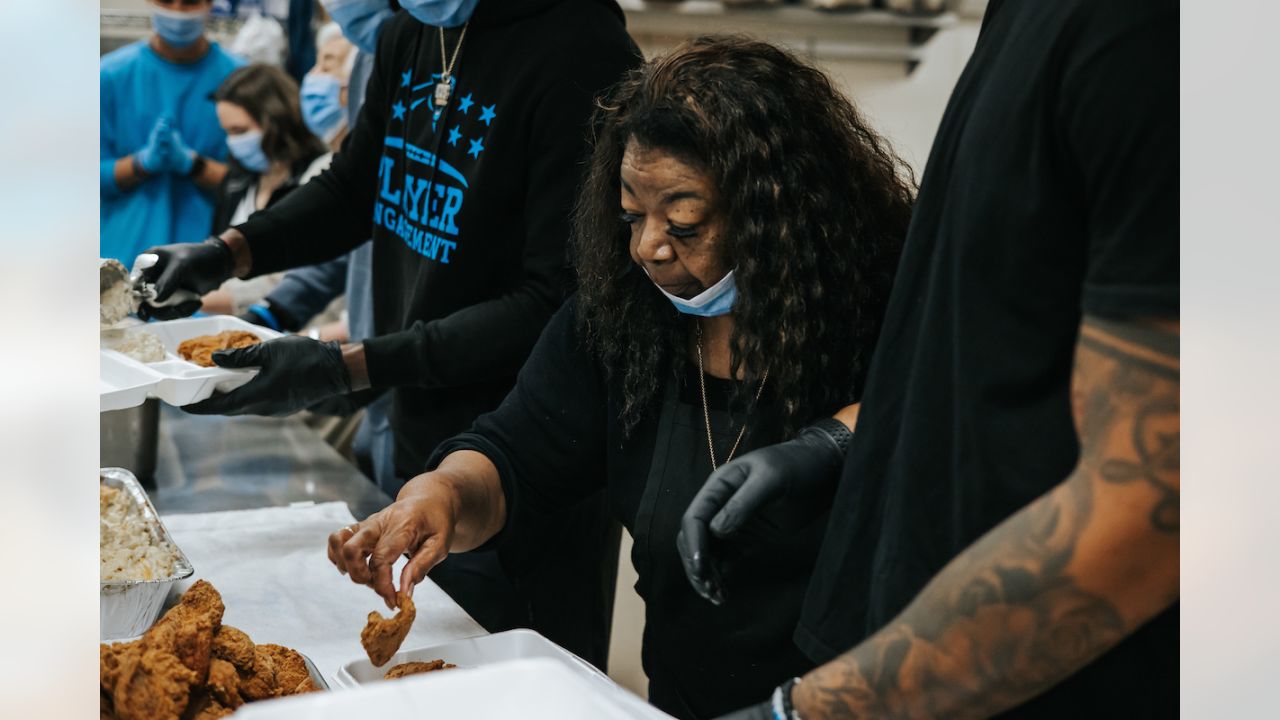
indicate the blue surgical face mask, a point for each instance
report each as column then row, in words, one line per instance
column 360, row 20
column 445, row 13
column 322, row 105
column 178, row 29
column 712, row 302
column 246, row 148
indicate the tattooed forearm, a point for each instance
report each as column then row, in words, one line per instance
column 1056, row 584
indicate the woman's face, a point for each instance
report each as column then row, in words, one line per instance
column 234, row 119
column 676, row 222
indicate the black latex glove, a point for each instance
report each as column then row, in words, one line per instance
column 296, row 372
column 197, row 267
column 763, row 711
column 785, row 485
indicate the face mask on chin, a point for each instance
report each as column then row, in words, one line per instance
column 178, row 29
column 442, row 13
column 714, row 301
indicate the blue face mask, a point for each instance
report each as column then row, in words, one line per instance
column 360, row 20
column 712, row 302
column 322, row 105
column 445, row 13
column 178, row 29
column 246, row 148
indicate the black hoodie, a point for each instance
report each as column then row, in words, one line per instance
column 468, row 210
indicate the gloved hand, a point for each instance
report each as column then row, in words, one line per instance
column 180, row 157
column 197, row 267
column 296, row 372
column 154, row 156
column 785, row 486
column 763, row 711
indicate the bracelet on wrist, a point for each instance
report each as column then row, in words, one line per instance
column 197, row 166
column 780, row 703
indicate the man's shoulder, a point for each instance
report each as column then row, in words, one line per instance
column 122, row 58
column 222, row 59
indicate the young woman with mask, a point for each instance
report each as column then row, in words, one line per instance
column 735, row 243
column 272, row 153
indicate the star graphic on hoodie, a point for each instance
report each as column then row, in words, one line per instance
column 477, row 147
column 487, row 114
column 454, row 136
column 405, row 78
column 465, row 103
column 397, row 110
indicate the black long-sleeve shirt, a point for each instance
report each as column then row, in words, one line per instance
column 558, row 437
column 468, row 211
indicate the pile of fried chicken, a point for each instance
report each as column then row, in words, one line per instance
column 189, row 666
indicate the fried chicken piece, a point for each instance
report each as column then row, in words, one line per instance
column 204, row 706
column 106, row 709
column 152, row 685
column 260, row 683
column 200, row 349
column 416, row 668
column 188, row 628
column 291, row 669
column 233, row 645
column 110, row 658
column 224, row 683
column 381, row 637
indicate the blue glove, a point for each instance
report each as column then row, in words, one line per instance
column 180, row 156
column 154, row 156
column 295, row 372
column 779, row 488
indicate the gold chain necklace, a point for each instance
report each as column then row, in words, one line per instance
column 706, row 410
column 444, row 88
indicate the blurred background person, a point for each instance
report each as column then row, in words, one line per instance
column 161, row 147
column 272, row 153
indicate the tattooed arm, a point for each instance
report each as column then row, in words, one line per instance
column 1056, row 584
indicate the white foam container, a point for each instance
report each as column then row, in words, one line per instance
column 122, row 383
column 477, row 652
column 173, row 379
column 531, row 689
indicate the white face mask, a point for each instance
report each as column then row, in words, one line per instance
column 714, row 301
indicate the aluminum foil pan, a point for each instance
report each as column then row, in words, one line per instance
column 128, row 607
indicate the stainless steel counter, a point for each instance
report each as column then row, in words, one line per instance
column 212, row 463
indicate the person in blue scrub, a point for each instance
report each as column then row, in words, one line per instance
column 162, row 151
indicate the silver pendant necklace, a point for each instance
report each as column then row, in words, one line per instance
column 444, row 88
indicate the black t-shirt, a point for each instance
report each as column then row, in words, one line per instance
column 1051, row 192
column 468, row 210
column 558, row 437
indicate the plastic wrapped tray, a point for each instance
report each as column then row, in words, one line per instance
column 173, row 380
column 476, row 652
column 128, row 607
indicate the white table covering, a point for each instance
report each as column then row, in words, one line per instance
column 272, row 568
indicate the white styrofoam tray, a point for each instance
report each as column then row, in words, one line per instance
column 175, row 380
column 531, row 689
column 476, row 652
column 122, row 383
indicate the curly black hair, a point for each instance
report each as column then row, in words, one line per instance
column 815, row 202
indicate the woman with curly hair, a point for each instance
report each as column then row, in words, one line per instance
column 735, row 243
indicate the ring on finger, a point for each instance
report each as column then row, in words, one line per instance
column 352, row 528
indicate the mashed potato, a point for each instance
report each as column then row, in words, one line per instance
column 131, row 547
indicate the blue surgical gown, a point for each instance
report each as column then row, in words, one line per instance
column 138, row 87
